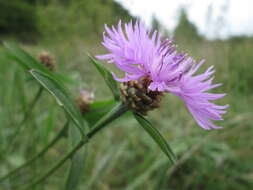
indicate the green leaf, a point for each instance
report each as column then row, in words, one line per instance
column 118, row 110
column 20, row 87
column 62, row 97
column 97, row 110
column 102, row 104
column 28, row 62
column 111, row 83
column 23, row 58
column 77, row 161
column 156, row 135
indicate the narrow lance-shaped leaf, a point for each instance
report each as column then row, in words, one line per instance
column 97, row 110
column 29, row 62
column 156, row 136
column 111, row 83
column 62, row 97
column 23, row 58
column 77, row 161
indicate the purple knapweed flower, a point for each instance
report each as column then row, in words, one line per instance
column 141, row 53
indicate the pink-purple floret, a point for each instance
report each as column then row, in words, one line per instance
column 141, row 53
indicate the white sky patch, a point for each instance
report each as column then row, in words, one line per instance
column 213, row 18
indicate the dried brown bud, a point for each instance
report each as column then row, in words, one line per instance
column 139, row 98
column 84, row 100
column 46, row 59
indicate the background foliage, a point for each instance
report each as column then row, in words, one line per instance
column 17, row 17
column 122, row 156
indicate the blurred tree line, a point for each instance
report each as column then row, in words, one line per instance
column 17, row 16
column 185, row 30
column 49, row 17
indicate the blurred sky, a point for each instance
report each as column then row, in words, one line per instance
column 213, row 18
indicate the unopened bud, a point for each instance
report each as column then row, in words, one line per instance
column 139, row 98
column 84, row 100
column 46, row 59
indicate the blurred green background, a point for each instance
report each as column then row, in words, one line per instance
column 121, row 156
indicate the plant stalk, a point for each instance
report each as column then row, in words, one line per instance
column 52, row 143
column 31, row 106
column 116, row 112
column 26, row 116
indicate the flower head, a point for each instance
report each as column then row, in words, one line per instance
column 143, row 54
column 84, row 100
column 46, row 59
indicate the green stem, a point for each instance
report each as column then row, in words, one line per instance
column 31, row 106
column 52, row 143
column 26, row 116
column 116, row 112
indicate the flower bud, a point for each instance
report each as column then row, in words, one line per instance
column 47, row 60
column 84, row 100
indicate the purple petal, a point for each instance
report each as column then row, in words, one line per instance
column 140, row 53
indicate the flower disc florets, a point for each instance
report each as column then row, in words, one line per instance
column 140, row 53
column 138, row 97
